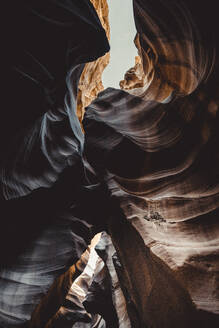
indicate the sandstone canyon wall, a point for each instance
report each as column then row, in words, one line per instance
column 158, row 132
column 144, row 169
column 91, row 79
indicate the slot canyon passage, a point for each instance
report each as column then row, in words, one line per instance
column 110, row 192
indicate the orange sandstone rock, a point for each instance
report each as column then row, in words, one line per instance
column 91, row 79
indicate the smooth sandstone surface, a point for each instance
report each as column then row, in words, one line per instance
column 153, row 144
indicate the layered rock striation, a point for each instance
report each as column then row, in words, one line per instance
column 156, row 143
column 144, row 168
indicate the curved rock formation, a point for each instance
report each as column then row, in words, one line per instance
column 146, row 170
column 91, row 79
column 41, row 239
column 160, row 158
column 135, row 77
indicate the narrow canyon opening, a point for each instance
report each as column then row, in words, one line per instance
column 122, row 34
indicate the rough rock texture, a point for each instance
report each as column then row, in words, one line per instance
column 91, row 79
column 135, row 77
column 72, row 310
column 95, row 298
column 107, row 253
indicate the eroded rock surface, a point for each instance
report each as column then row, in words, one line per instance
column 91, row 79
column 159, row 154
column 153, row 147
